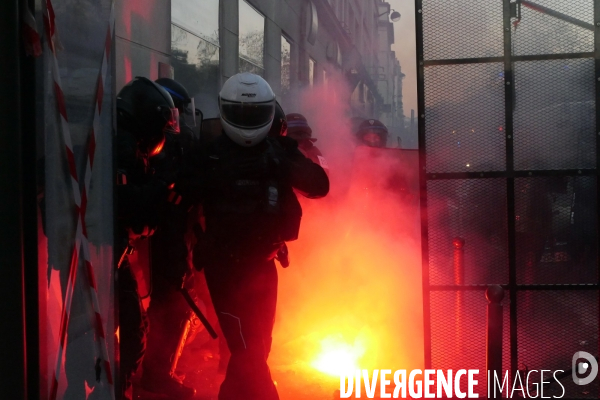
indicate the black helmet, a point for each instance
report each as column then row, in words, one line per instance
column 298, row 127
column 373, row 133
column 180, row 96
column 279, row 127
column 147, row 111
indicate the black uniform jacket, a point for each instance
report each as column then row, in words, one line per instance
column 247, row 193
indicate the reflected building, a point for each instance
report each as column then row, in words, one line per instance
column 293, row 44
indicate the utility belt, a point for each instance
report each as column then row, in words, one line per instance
column 209, row 251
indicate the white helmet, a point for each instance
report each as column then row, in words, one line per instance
column 247, row 106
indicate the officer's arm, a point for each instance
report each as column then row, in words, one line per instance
column 308, row 178
column 139, row 204
column 138, row 195
column 190, row 183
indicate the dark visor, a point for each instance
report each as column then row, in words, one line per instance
column 247, row 115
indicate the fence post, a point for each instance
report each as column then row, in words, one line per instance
column 459, row 279
column 494, row 295
column 459, row 260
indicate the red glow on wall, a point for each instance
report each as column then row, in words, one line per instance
column 141, row 8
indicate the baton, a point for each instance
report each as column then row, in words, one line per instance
column 129, row 250
column 201, row 317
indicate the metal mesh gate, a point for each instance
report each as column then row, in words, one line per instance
column 509, row 153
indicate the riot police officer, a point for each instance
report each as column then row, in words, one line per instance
column 246, row 183
column 372, row 133
column 168, row 312
column 299, row 130
column 188, row 114
column 146, row 115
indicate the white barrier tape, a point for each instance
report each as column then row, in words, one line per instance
column 79, row 198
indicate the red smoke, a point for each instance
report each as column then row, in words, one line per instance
column 352, row 295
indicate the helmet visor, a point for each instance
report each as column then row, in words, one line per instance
column 189, row 114
column 172, row 117
column 373, row 139
column 247, row 115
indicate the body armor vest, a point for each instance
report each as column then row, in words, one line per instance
column 250, row 199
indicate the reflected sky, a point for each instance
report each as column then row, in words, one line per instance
column 252, row 33
column 580, row 9
column 198, row 51
column 285, row 63
column 200, row 17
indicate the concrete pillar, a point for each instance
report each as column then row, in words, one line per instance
column 272, row 57
column 143, row 38
column 229, row 36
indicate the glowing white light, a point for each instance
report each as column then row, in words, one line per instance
column 338, row 357
column 336, row 362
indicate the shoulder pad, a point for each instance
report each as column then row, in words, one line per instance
column 287, row 142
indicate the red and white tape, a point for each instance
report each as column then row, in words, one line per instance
column 80, row 198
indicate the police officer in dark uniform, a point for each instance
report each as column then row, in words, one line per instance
column 246, row 183
column 372, row 133
column 145, row 114
column 170, row 258
column 189, row 117
column 299, row 130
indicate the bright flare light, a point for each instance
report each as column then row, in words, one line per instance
column 337, row 357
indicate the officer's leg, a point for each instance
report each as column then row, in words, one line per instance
column 133, row 326
column 165, row 313
column 268, row 303
column 201, row 289
column 244, row 297
column 168, row 313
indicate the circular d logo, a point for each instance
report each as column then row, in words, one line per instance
column 582, row 368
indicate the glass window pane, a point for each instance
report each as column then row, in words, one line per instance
column 196, row 66
column 200, row 17
column 285, row 65
column 252, row 34
column 247, row 66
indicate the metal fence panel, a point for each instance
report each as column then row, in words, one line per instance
column 508, row 141
column 464, row 115
column 554, row 114
column 552, row 326
column 539, row 33
column 555, row 241
column 458, row 30
column 473, row 210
